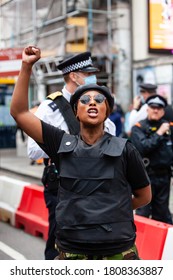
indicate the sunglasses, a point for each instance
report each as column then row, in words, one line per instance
column 99, row 98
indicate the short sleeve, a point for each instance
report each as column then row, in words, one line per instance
column 52, row 138
column 136, row 172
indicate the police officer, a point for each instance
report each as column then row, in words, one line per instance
column 153, row 137
column 98, row 187
column 77, row 70
column 139, row 111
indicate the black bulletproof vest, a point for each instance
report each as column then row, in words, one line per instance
column 94, row 199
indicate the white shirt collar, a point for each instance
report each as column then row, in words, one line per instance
column 66, row 94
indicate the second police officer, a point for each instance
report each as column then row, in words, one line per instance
column 153, row 137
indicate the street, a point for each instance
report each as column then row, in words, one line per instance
column 15, row 243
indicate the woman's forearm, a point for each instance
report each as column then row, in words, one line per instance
column 19, row 105
column 19, row 102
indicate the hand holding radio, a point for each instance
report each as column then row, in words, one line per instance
column 164, row 129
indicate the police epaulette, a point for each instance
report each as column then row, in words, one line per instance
column 138, row 124
column 54, row 95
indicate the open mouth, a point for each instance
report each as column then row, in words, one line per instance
column 92, row 112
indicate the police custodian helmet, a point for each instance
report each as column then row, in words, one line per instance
column 84, row 88
column 156, row 101
column 80, row 62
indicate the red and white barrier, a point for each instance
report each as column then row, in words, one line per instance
column 168, row 246
column 151, row 237
column 10, row 195
column 32, row 214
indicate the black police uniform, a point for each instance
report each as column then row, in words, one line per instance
column 50, row 180
column 157, row 153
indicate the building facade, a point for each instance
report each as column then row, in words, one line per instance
column 152, row 45
column 62, row 28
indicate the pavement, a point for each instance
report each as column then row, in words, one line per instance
column 17, row 162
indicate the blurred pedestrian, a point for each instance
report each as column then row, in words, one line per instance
column 127, row 129
column 115, row 117
column 94, row 218
column 153, row 137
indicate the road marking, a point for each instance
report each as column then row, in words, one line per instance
column 11, row 252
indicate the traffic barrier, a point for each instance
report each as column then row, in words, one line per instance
column 168, row 246
column 10, row 195
column 151, row 236
column 32, row 214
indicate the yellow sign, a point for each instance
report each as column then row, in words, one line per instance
column 7, row 81
column 77, row 21
column 79, row 42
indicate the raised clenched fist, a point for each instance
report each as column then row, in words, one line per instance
column 31, row 54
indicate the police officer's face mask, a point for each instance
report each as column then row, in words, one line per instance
column 88, row 80
column 142, row 99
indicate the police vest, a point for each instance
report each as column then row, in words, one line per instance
column 94, row 199
column 59, row 102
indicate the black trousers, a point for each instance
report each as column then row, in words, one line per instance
column 158, row 209
column 51, row 202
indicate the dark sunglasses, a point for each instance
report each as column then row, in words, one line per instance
column 99, row 98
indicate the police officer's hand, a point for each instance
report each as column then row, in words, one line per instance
column 31, row 54
column 137, row 102
column 164, row 128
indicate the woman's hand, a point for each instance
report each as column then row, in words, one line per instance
column 31, row 54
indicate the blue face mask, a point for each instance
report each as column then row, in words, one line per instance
column 142, row 99
column 88, row 80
